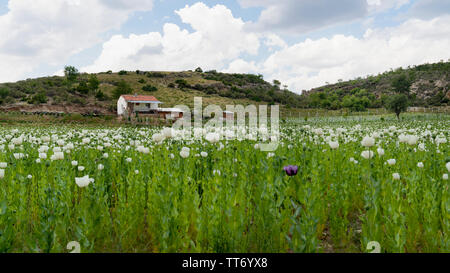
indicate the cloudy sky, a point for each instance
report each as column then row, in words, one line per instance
column 302, row 43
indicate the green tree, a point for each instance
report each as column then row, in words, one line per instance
column 199, row 70
column 4, row 92
column 397, row 103
column 401, row 84
column 71, row 73
column 122, row 88
column 277, row 83
column 93, row 82
column 83, row 87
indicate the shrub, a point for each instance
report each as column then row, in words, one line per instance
column 182, row 83
column 149, row 88
column 123, row 72
column 122, row 88
column 83, row 87
column 93, row 82
column 4, row 92
column 38, row 98
column 101, row 96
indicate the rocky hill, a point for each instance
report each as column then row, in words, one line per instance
column 426, row 85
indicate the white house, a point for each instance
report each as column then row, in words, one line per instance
column 130, row 104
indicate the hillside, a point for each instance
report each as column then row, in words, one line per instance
column 426, row 85
column 98, row 93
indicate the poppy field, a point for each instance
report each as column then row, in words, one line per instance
column 328, row 187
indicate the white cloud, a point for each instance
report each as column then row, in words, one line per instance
column 273, row 40
column 300, row 16
column 313, row 62
column 37, row 32
column 241, row 66
column 217, row 39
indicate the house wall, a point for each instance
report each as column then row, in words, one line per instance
column 142, row 107
column 121, row 106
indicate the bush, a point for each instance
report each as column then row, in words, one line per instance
column 171, row 85
column 77, row 100
column 101, row 96
column 182, row 83
column 198, row 87
column 93, row 82
column 149, row 88
column 83, row 87
column 38, row 98
column 122, row 88
column 123, row 72
column 141, row 81
column 4, row 92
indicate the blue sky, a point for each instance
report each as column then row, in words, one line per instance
column 302, row 43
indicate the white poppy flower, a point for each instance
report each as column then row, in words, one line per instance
column 391, row 161
column 380, row 151
column 82, row 181
column 334, row 144
column 367, row 154
column 368, row 141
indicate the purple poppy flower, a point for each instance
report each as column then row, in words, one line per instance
column 291, row 170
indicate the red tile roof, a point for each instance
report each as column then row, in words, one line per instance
column 139, row 98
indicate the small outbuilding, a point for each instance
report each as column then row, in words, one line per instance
column 170, row 113
column 228, row 115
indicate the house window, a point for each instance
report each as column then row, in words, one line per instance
column 137, row 104
column 148, row 105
